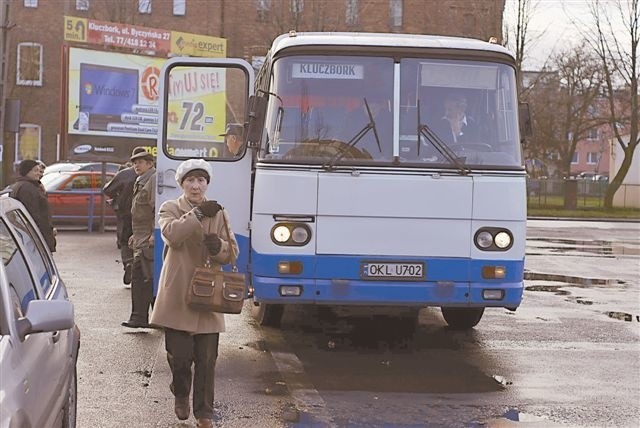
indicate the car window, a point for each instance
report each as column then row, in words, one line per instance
column 20, row 282
column 79, row 182
column 44, row 272
column 99, row 180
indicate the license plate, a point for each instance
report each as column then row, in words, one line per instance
column 406, row 271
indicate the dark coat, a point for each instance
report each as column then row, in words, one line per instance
column 120, row 190
column 34, row 198
column 468, row 131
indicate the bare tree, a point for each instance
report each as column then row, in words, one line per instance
column 621, row 72
column 565, row 104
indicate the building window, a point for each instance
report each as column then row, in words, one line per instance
column 144, row 6
column 179, row 7
column 29, row 70
column 592, row 134
column 262, row 8
column 351, row 15
column 82, row 4
column 593, row 158
column 30, row 3
column 297, row 6
column 575, row 158
column 395, row 13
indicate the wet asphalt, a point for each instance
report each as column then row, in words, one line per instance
column 569, row 356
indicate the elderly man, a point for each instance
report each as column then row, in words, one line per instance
column 141, row 241
column 233, row 140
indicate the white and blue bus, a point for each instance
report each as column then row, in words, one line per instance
column 356, row 187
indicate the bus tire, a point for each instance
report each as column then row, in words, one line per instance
column 462, row 318
column 267, row 314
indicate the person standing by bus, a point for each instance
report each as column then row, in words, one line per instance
column 141, row 241
column 120, row 190
column 29, row 190
column 193, row 230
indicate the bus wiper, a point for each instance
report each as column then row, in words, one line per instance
column 356, row 138
column 439, row 145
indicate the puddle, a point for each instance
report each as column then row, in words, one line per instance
column 594, row 247
column 623, row 316
column 518, row 416
column 573, row 280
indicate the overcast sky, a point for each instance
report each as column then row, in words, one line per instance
column 551, row 25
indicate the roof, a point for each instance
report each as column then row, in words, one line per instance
column 384, row 40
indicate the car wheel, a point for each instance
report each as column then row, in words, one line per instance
column 462, row 318
column 267, row 314
column 71, row 405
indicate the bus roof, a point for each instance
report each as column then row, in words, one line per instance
column 294, row 38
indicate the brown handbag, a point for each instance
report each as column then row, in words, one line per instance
column 212, row 290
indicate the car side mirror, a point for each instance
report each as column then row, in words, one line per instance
column 45, row 316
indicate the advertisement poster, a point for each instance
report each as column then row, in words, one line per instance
column 113, row 94
column 196, row 108
column 28, row 143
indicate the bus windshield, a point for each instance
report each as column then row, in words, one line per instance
column 359, row 110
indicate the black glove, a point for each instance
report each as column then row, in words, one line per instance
column 213, row 243
column 210, row 208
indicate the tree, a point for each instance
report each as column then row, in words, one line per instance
column 619, row 60
column 565, row 102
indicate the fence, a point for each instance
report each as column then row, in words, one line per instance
column 572, row 193
column 84, row 214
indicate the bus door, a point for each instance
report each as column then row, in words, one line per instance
column 200, row 100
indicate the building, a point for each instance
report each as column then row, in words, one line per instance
column 34, row 55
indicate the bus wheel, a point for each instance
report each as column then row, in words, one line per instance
column 267, row 314
column 462, row 318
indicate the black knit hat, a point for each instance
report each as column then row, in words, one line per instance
column 26, row 166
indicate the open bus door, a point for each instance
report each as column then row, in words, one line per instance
column 199, row 97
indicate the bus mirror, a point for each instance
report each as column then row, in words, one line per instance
column 524, row 116
column 257, row 109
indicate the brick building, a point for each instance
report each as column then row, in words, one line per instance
column 35, row 28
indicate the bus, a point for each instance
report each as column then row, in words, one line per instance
column 380, row 173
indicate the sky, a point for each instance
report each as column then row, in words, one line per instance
column 551, row 26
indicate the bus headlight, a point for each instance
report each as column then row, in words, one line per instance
column 294, row 234
column 300, row 235
column 281, row 234
column 493, row 239
column 484, row 239
column 502, row 240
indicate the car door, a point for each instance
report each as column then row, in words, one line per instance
column 37, row 364
column 199, row 98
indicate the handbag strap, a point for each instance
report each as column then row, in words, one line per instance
column 234, row 267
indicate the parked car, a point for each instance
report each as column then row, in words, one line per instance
column 70, row 200
column 80, row 166
column 39, row 340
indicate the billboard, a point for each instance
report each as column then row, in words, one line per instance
column 112, row 94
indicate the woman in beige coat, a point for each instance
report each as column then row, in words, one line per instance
column 192, row 229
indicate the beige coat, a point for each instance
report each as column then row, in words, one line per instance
column 182, row 234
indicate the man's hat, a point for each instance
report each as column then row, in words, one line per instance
column 141, row 153
column 234, row 129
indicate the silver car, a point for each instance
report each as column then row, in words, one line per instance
column 39, row 340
